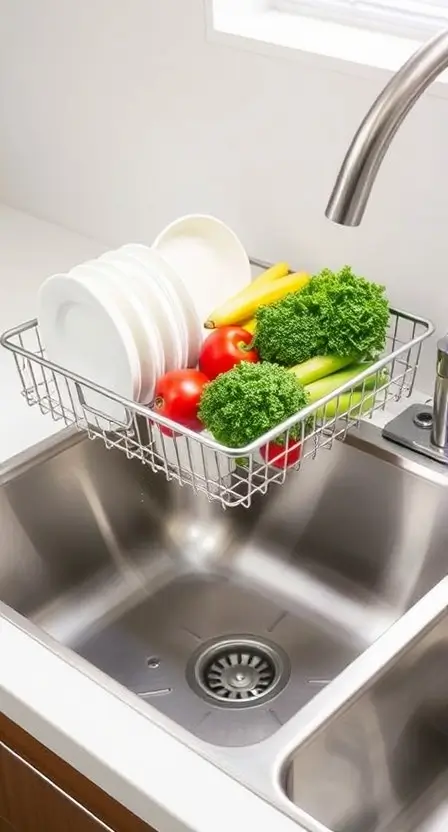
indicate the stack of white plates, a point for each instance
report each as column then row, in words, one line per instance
column 123, row 320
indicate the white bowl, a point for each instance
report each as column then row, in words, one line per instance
column 180, row 298
column 208, row 256
column 143, row 327
column 85, row 331
column 156, row 302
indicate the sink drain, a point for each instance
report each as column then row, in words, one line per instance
column 238, row 671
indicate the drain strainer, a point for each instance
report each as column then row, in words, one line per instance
column 238, row 671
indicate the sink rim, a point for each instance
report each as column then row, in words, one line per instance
column 67, row 655
column 352, row 682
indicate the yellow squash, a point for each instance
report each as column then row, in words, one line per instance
column 243, row 305
column 279, row 270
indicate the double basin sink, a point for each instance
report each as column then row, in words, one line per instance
column 301, row 645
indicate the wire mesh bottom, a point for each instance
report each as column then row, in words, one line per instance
column 231, row 476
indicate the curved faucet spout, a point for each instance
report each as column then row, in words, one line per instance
column 366, row 152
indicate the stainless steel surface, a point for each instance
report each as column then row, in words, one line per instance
column 230, row 476
column 368, row 148
column 440, row 416
column 43, row 777
column 122, row 566
column 412, row 428
column 132, row 578
column 238, row 672
column 381, row 763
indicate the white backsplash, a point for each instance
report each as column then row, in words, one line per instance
column 117, row 117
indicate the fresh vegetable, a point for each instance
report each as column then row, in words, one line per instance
column 224, row 348
column 319, row 367
column 281, row 456
column 354, row 312
column 337, row 313
column 287, row 333
column 318, row 389
column 241, row 405
column 244, row 304
column 279, row 270
column 355, row 404
column 177, row 397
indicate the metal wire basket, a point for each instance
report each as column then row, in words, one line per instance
column 233, row 476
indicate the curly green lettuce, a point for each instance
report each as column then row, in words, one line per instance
column 286, row 332
column 241, row 405
column 337, row 313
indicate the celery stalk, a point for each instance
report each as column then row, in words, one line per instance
column 319, row 367
column 318, row 389
column 352, row 403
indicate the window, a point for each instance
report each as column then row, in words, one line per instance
column 412, row 18
column 351, row 36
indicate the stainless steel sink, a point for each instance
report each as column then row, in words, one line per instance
column 233, row 625
column 381, row 763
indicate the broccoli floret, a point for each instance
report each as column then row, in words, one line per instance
column 242, row 404
column 337, row 313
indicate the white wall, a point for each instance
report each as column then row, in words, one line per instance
column 117, row 116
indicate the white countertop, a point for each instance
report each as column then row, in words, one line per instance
column 30, row 250
column 106, row 738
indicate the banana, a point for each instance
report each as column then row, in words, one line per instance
column 273, row 273
column 250, row 325
column 279, row 270
column 242, row 306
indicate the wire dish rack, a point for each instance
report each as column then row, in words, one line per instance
column 232, row 476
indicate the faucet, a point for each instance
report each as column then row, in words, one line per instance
column 361, row 164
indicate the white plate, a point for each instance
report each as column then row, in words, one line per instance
column 85, row 331
column 155, row 301
column 160, row 271
column 208, row 256
column 144, row 328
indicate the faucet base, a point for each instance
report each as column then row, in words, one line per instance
column 413, row 429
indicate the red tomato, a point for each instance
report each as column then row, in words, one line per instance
column 225, row 347
column 178, row 394
column 281, row 456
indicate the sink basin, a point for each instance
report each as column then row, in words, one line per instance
column 381, row 763
column 143, row 579
column 230, row 626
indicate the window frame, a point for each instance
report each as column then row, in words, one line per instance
column 415, row 19
column 254, row 26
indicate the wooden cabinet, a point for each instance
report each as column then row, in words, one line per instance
column 41, row 793
column 2, row 785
